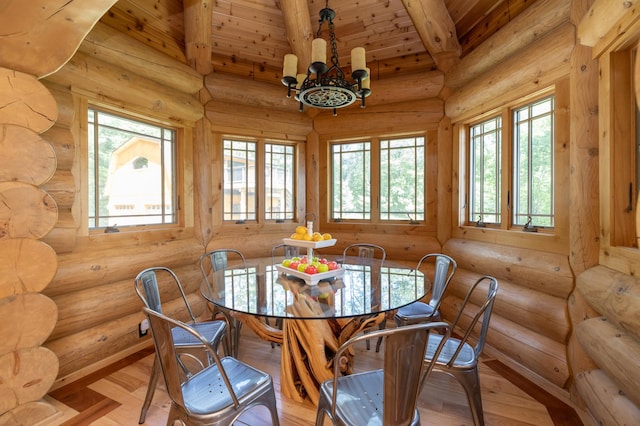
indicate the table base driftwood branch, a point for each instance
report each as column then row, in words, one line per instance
column 307, row 349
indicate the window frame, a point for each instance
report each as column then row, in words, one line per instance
column 425, row 227
column 178, row 181
column 505, row 232
column 260, row 223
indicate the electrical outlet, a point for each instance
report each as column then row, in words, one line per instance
column 143, row 328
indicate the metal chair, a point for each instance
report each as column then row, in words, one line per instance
column 368, row 251
column 217, row 260
column 387, row 396
column 215, row 395
column 458, row 358
column 148, row 290
column 287, row 250
column 418, row 312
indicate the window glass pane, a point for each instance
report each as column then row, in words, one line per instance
column 279, row 183
column 485, row 171
column 351, row 177
column 239, row 180
column 132, row 174
column 533, row 164
column 402, row 179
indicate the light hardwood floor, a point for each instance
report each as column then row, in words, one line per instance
column 114, row 395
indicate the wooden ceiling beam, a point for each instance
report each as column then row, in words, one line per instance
column 198, row 34
column 297, row 23
column 436, row 30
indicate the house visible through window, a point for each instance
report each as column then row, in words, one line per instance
column 239, row 180
column 132, row 172
column 279, row 164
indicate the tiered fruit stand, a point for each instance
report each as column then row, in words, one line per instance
column 310, row 279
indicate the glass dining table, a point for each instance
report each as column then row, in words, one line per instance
column 316, row 316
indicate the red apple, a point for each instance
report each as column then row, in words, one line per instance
column 323, row 261
column 294, row 264
column 311, row 269
column 333, row 265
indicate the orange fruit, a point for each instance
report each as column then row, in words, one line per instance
column 301, row 230
column 326, row 236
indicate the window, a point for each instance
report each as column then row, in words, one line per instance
column 533, row 164
column 245, row 161
column 132, row 172
column 530, row 190
column 279, row 161
column 485, row 173
column 351, row 175
column 397, row 184
column 239, row 180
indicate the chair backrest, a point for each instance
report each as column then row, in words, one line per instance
column 444, row 268
column 217, row 260
column 147, row 287
column 287, row 250
column 169, row 360
column 366, row 250
column 403, row 368
column 482, row 315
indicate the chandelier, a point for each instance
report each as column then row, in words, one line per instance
column 325, row 86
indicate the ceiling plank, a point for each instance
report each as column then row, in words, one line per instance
column 436, row 29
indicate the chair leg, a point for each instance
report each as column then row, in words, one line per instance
column 382, row 326
column 470, row 381
column 151, row 388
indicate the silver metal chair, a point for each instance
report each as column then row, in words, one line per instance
column 147, row 287
column 217, row 260
column 287, row 251
column 458, row 358
column 387, row 396
column 418, row 312
column 215, row 395
column 368, row 251
column 365, row 250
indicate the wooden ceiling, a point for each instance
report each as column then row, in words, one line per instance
column 249, row 37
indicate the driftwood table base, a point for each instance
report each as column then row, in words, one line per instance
column 308, row 347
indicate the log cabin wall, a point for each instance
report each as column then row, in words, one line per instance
column 541, row 326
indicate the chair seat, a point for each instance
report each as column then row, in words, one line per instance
column 416, row 309
column 466, row 357
column 244, row 379
column 351, row 407
column 210, row 330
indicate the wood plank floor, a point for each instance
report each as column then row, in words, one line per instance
column 114, row 395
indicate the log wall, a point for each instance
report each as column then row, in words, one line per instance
column 530, row 322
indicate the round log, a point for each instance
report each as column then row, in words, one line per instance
column 28, row 320
column 26, row 102
column 25, row 211
column 26, row 157
column 83, row 309
column 615, row 295
column 62, row 188
column 46, row 33
column 606, row 402
column 545, row 272
column 538, row 353
column 615, row 351
column 26, row 376
column 514, row 302
column 63, row 237
column 63, row 144
column 65, row 101
column 36, row 412
column 89, row 266
column 26, row 265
